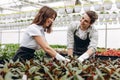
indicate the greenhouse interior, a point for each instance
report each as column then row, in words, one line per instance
column 17, row 15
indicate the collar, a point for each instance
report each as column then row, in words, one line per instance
column 88, row 30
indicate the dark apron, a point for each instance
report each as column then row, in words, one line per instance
column 80, row 46
column 24, row 54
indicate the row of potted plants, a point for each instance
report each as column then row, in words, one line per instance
column 62, row 20
column 8, row 50
column 49, row 69
column 106, row 5
column 44, row 68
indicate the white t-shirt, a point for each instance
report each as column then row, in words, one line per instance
column 28, row 41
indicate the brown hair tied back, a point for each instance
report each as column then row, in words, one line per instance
column 93, row 16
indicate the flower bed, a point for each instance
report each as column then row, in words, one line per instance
column 104, row 67
column 108, row 54
column 49, row 69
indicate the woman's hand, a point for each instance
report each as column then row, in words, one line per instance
column 60, row 57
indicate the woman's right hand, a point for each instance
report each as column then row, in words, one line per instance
column 60, row 57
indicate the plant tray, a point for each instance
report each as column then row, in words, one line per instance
column 107, row 57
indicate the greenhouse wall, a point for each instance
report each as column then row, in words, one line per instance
column 108, row 36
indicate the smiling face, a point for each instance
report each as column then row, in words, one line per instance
column 85, row 22
column 49, row 21
column 45, row 18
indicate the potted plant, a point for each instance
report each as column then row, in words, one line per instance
column 107, row 4
column 28, row 14
column 8, row 16
column 69, row 5
column 86, row 6
column 107, row 16
column 61, row 10
column 101, row 17
column 113, row 15
column 97, row 6
column 69, row 9
column 117, row 4
column 23, row 15
column 119, row 14
column 77, row 6
column 56, row 9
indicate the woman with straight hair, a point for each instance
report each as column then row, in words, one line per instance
column 34, row 36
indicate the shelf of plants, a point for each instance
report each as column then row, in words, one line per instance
column 108, row 54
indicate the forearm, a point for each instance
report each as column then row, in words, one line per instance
column 56, row 55
column 86, row 55
column 70, row 52
column 50, row 51
column 45, row 46
column 93, row 42
column 90, row 51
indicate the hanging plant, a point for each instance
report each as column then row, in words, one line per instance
column 107, row 4
column 23, row 15
column 77, row 7
column 8, row 16
column 69, row 5
column 86, row 6
column 69, row 9
column 28, row 14
column 33, row 13
column 114, row 15
column 101, row 17
column 56, row 9
column 107, row 16
column 61, row 10
column 118, row 14
column 3, row 17
column 97, row 6
column 117, row 4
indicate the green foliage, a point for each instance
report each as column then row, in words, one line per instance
column 114, row 12
column 58, row 46
column 7, row 50
column 52, row 69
